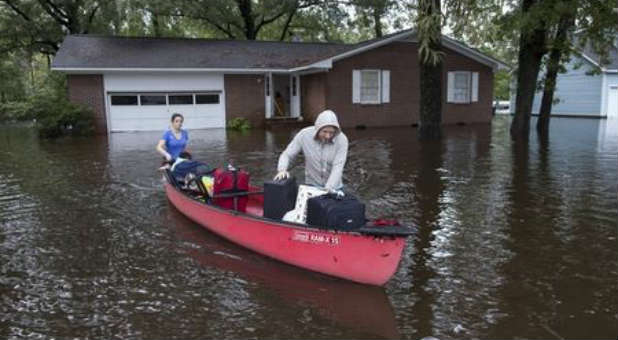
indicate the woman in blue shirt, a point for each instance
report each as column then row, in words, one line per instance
column 174, row 140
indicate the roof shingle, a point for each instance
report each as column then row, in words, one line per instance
column 92, row 51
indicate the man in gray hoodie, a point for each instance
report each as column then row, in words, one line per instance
column 325, row 148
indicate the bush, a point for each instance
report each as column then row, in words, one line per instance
column 49, row 107
column 239, row 124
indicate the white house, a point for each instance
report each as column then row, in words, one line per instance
column 581, row 93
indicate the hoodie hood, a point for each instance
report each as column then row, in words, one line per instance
column 326, row 118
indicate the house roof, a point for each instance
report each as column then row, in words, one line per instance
column 92, row 51
column 95, row 52
column 594, row 57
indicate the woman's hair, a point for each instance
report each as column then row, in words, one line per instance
column 176, row 115
column 185, row 155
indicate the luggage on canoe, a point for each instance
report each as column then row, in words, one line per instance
column 299, row 213
column 336, row 212
column 231, row 181
column 181, row 169
column 279, row 197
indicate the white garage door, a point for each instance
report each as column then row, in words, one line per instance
column 145, row 102
column 152, row 111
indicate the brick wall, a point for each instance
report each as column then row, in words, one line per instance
column 244, row 97
column 477, row 112
column 313, row 99
column 87, row 89
column 401, row 58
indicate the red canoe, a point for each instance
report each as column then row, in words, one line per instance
column 369, row 256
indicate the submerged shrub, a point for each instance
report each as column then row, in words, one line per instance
column 239, row 124
column 50, row 108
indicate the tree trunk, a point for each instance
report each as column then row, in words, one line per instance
column 553, row 65
column 430, row 125
column 246, row 12
column 531, row 51
column 430, row 122
column 156, row 25
column 377, row 14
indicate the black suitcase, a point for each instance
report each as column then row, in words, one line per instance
column 331, row 212
column 279, row 197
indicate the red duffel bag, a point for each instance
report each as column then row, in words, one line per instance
column 227, row 183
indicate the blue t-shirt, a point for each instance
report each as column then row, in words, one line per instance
column 175, row 146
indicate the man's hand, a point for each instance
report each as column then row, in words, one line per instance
column 338, row 193
column 281, row 175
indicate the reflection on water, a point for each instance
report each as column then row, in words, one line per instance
column 514, row 240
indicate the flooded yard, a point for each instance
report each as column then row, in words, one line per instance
column 515, row 241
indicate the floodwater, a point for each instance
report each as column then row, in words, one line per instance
column 515, row 241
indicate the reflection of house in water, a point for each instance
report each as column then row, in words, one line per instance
column 608, row 134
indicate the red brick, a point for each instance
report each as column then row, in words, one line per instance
column 244, row 97
column 87, row 89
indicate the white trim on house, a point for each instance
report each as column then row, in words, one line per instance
column 472, row 54
column 604, row 95
column 593, row 62
column 371, row 46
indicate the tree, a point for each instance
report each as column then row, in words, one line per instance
column 559, row 52
column 532, row 36
column 244, row 18
column 429, row 26
column 40, row 25
column 370, row 13
column 597, row 27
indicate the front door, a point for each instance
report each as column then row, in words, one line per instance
column 282, row 95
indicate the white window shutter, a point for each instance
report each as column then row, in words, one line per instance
column 356, row 86
column 475, row 87
column 450, row 93
column 386, row 86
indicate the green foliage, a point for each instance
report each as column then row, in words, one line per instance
column 49, row 107
column 239, row 124
column 12, row 86
column 429, row 26
column 502, row 82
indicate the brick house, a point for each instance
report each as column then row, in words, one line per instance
column 137, row 83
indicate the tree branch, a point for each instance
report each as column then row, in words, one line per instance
column 90, row 18
column 17, row 10
column 286, row 26
column 46, row 7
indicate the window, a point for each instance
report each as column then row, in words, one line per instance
column 181, row 99
column 124, row 100
column 462, row 87
column 207, row 98
column 370, row 86
column 153, row 100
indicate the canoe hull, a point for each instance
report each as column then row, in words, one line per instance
column 352, row 256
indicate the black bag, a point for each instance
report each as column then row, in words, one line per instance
column 332, row 212
column 279, row 197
